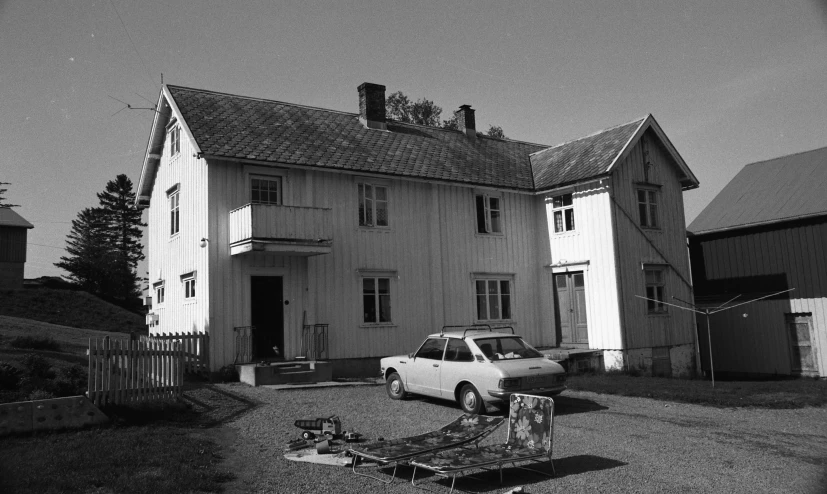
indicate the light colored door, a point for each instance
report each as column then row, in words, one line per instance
column 455, row 366
column 424, row 369
column 802, row 354
column 571, row 307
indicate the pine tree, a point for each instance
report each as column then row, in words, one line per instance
column 90, row 260
column 124, row 233
column 3, row 203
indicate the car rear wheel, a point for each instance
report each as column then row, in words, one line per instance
column 470, row 400
column 395, row 388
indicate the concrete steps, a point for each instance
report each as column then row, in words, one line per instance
column 296, row 372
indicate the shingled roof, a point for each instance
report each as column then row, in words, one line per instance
column 781, row 189
column 226, row 126
column 9, row 217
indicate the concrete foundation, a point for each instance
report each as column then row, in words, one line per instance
column 293, row 372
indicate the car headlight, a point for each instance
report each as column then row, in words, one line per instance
column 509, row 383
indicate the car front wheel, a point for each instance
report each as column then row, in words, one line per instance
column 395, row 388
column 470, row 400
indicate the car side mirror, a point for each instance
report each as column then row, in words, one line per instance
column 411, row 355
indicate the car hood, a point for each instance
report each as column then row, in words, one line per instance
column 520, row 367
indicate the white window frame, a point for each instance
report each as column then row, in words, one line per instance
column 487, row 222
column 648, row 209
column 174, row 140
column 377, row 299
column 189, row 285
column 174, row 203
column 267, row 178
column 565, row 211
column 503, row 300
column 368, row 205
column 160, row 292
column 655, row 289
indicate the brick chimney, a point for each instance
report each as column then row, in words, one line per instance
column 465, row 120
column 372, row 106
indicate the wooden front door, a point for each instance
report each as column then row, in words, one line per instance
column 571, row 308
column 267, row 316
column 802, row 354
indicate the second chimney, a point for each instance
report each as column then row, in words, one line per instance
column 372, row 106
column 465, row 120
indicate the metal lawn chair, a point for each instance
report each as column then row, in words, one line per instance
column 468, row 428
column 530, row 439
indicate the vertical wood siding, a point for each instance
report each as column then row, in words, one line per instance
column 636, row 247
column 12, row 244
column 173, row 256
column 759, row 342
column 591, row 241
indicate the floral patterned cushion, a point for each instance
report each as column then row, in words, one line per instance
column 466, row 428
column 530, row 422
column 469, row 457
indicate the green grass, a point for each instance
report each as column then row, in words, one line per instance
column 150, row 449
column 72, row 308
column 782, row 393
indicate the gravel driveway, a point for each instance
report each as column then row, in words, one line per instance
column 602, row 443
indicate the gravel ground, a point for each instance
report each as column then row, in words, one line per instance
column 602, row 443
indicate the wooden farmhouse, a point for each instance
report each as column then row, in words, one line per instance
column 13, row 232
column 280, row 216
column 764, row 233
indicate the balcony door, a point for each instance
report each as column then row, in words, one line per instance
column 267, row 316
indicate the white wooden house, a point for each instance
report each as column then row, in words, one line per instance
column 765, row 232
column 276, row 215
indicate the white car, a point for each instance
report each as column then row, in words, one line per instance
column 473, row 367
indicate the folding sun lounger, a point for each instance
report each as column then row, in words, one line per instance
column 530, row 438
column 468, row 428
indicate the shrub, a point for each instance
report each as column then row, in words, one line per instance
column 35, row 343
column 38, row 366
column 41, row 394
column 9, row 376
column 226, row 374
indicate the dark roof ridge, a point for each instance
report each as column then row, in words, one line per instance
column 785, row 156
column 265, row 100
column 592, row 134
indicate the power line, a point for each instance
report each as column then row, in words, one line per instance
column 44, row 245
column 148, row 73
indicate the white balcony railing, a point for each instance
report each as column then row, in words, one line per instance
column 281, row 229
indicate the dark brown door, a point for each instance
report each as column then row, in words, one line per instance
column 267, row 316
column 571, row 308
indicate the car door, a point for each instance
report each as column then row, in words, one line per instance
column 423, row 370
column 457, row 366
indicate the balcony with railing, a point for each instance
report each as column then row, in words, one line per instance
column 284, row 230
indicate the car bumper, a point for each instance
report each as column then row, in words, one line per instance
column 502, row 394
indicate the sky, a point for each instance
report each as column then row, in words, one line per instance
column 731, row 83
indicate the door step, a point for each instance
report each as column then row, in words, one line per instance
column 285, row 372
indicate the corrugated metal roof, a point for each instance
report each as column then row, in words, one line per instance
column 781, row 189
column 8, row 217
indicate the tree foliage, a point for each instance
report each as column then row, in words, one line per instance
column 3, row 203
column 424, row 112
column 104, row 245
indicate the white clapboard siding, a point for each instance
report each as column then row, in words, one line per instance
column 591, row 241
column 636, row 246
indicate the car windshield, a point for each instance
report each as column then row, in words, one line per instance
column 506, row 348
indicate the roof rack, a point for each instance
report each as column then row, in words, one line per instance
column 498, row 328
column 466, row 328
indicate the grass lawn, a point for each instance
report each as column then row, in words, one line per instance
column 131, row 456
column 782, row 393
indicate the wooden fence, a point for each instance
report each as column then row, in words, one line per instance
column 122, row 371
column 196, row 349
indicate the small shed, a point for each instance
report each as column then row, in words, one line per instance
column 766, row 232
column 13, row 231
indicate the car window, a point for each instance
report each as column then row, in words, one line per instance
column 506, row 348
column 458, row 351
column 431, row 349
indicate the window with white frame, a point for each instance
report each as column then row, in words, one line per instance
column 174, row 211
column 174, row 140
column 493, row 299
column 159, row 292
column 655, row 288
column 188, row 280
column 373, row 205
column 376, row 299
column 563, row 213
column 489, row 213
column 265, row 190
column 647, row 203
